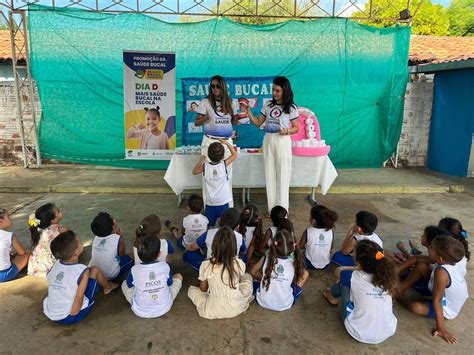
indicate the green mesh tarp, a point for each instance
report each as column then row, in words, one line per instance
column 352, row 76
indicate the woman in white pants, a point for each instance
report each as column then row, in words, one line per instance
column 217, row 113
column 281, row 120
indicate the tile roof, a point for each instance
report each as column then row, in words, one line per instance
column 423, row 49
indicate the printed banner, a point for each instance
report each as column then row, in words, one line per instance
column 251, row 91
column 149, row 81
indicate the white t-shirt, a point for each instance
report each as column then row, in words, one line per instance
column 219, row 124
column 151, row 295
column 279, row 296
column 161, row 257
column 211, row 233
column 318, row 246
column 455, row 294
column 63, row 281
column 218, row 184
column 373, row 238
column 5, row 248
column 248, row 235
column 275, row 118
column 194, row 225
column 105, row 255
column 371, row 319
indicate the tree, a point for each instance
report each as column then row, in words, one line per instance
column 429, row 20
column 461, row 18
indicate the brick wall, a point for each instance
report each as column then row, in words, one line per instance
column 413, row 144
column 10, row 141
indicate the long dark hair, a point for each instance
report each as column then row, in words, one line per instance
column 224, row 251
column 45, row 214
column 282, row 246
column 374, row 261
column 324, row 217
column 149, row 225
column 287, row 98
column 250, row 218
column 454, row 227
column 226, row 101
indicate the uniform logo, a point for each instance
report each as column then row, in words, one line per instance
column 196, row 220
column 59, row 278
column 275, row 113
column 102, row 242
column 154, row 297
column 280, row 269
column 214, row 173
column 152, row 276
column 321, row 237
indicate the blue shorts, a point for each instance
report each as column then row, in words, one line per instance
column 214, row 212
column 308, row 264
column 342, row 260
column 180, row 244
column 9, row 274
column 126, row 263
column 193, row 259
column 92, row 290
column 431, row 312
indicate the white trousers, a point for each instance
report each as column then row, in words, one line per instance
column 277, row 162
column 206, row 142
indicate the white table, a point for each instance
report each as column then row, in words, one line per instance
column 248, row 172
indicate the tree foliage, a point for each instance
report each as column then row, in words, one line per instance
column 461, row 18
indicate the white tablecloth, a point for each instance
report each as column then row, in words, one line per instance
column 248, row 172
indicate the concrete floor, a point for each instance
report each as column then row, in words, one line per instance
column 311, row 326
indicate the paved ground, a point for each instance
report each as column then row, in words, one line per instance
column 311, row 326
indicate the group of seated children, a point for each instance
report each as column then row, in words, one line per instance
column 366, row 277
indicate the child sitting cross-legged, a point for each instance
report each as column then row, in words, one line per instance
column 149, row 287
column 72, row 286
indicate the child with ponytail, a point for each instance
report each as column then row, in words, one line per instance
column 281, row 273
column 365, row 291
column 318, row 240
column 151, row 225
column 44, row 227
column 250, row 226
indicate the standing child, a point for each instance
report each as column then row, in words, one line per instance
column 318, row 240
column 10, row 267
column 72, row 286
column 224, row 289
column 364, row 228
column 151, row 225
column 447, row 285
column 194, row 257
column 149, row 288
column 44, row 228
column 366, row 293
column 216, row 179
column 108, row 247
column 281, row 273
column 194, row 224
column 251, row 228
column 150, row 137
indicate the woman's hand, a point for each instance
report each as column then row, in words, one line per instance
column 284, row 131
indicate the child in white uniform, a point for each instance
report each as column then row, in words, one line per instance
column 10, row 267
column 365, row 292
column 225, row 290
column 194, row 224
column 149, row 288
column 251, row 228
column 281, row 120
column 151, row 225
column 318, row 240
column 108, row 247
column 216, row 180
column 281, row 273
column 364, row 228
column 447, row 284
column 72, row 286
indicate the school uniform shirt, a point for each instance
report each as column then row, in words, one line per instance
column 279, row 296
column 318, row 246
column 207, row 238
column 165, row 249
column 105, row 255
column 219, row 124
column 151, row 296
column 372, row 237
column 218, row 184
column 273, row 231
column 455, row 294
column 5, row 248
column 194, row 225
column 370, row 316
column 462, row 266
column 63, row 281
column 248, row 236
column 276, row 118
